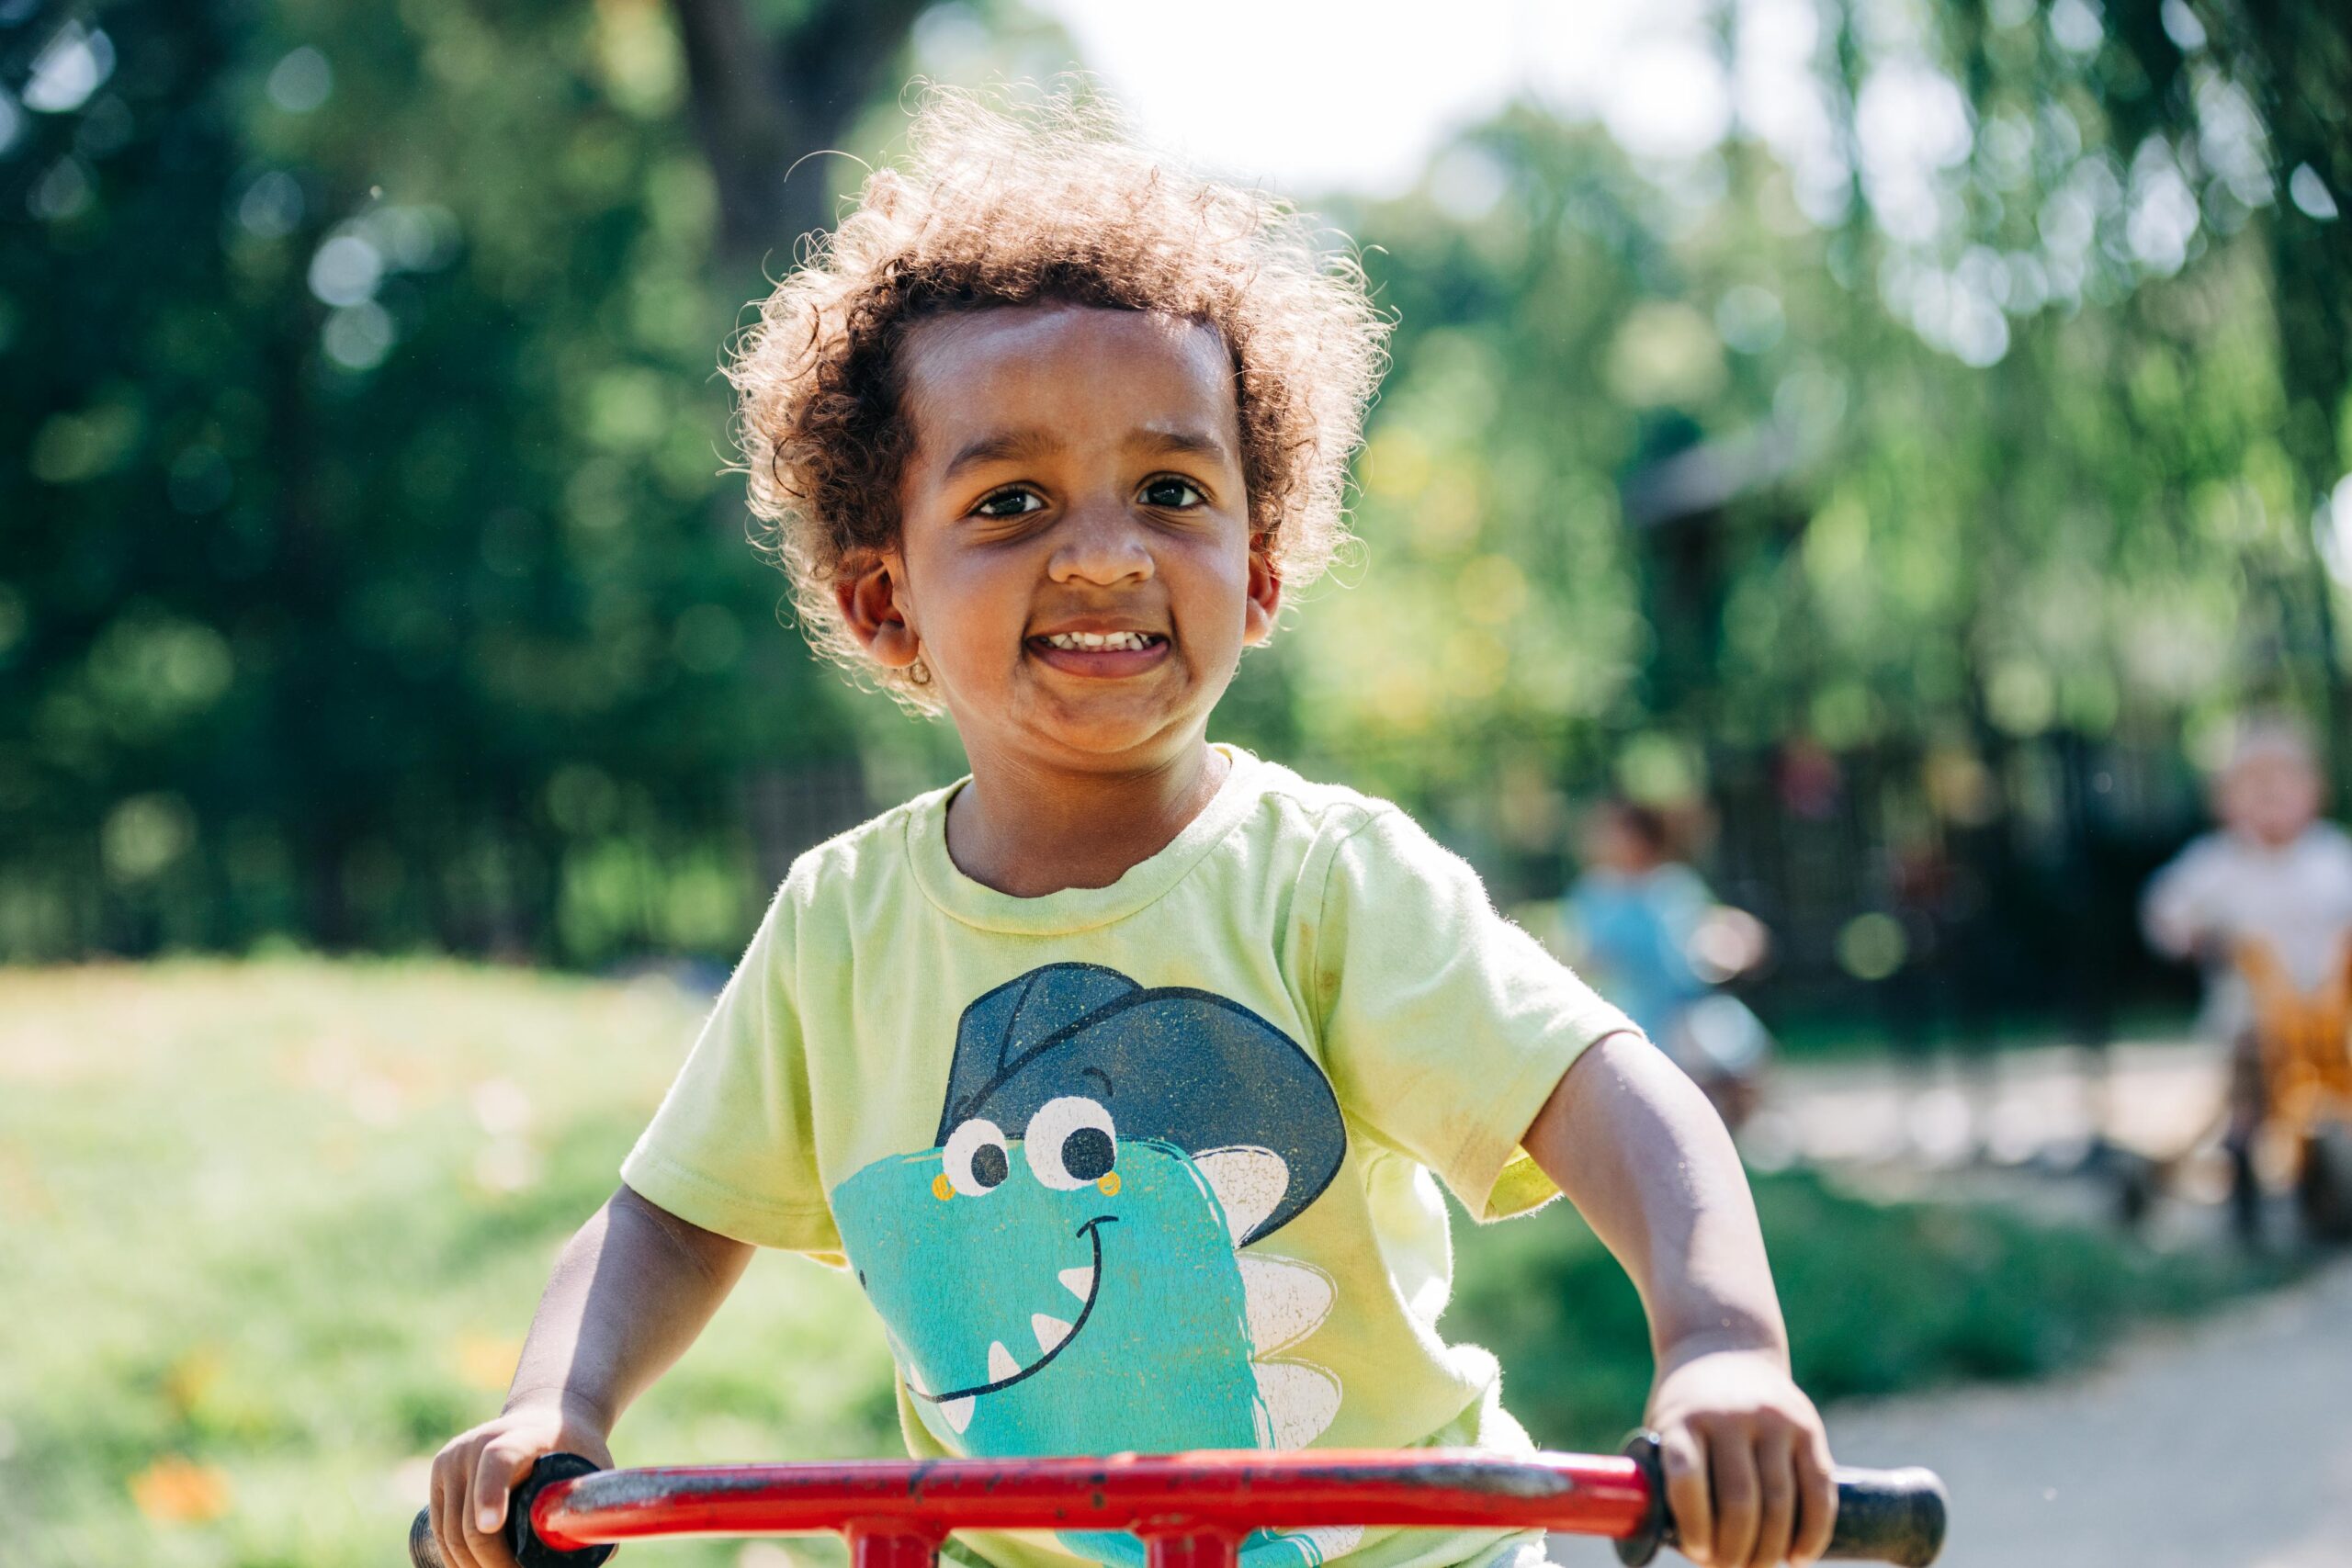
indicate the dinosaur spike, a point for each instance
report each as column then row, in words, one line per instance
column 1301, row 1401
column 1286, row 1301
column 1050, row 1331
column 958, row 1412
column 1248, row 1181
column 1331, row 1540
column 1001, row 1362
column 1078, row 1282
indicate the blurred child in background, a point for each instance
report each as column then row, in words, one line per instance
column 1654, row 939
column 2264, row 904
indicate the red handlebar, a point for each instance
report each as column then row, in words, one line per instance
column 1192, row 1509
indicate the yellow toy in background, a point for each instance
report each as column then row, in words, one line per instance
column 2302, row 1088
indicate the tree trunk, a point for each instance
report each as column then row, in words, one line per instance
column 764, row 101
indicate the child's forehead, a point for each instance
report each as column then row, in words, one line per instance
column 2270, row 752
column 1064, row 365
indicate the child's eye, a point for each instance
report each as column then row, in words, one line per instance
column 1009, row 503
column 1174, row 493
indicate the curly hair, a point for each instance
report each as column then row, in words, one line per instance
column 1031, row 201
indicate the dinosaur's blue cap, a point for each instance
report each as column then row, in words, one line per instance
column 1182, row 1065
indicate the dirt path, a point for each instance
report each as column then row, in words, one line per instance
column 2229, row 1444
column 2225, row 1445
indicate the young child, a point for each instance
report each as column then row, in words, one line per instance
column 2264, row 904
column 1657, row 942
column 1124, row 1072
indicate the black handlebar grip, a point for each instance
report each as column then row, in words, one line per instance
column 521, row 1539
column 1890, row 1515
column 1883, row 1516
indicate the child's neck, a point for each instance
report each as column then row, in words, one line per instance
column 1031, row 831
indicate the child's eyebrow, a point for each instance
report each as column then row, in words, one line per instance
column 1183, row 442
column 999, row 447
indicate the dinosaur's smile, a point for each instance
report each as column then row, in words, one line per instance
column 1093, row 1231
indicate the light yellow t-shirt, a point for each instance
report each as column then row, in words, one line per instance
column 1150, row 1167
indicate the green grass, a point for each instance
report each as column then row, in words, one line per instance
column 270, row 1232
column 273, row 1234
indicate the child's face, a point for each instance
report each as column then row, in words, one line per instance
column 1075, row 475
column 2272, row 795
column 1612, row 842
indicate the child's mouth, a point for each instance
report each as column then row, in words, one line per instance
column 1100, row 653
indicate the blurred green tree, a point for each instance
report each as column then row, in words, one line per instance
column 2151, row 142
column 362, row 583
column 1953, row 439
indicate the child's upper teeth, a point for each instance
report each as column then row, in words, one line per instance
column 1098, row 641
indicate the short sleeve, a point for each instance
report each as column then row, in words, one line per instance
column 1444, row 1026
column 731, row 1149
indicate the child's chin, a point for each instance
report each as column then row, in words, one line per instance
column 1106, row 725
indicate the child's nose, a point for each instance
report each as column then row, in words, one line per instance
column 1101, row 543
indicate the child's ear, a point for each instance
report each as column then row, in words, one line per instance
column 866, row 589
column 1263, row 599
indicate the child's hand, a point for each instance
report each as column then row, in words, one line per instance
column 474, row 1473
column 1747, row 1469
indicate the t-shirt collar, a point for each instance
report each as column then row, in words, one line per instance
column 1073, row 908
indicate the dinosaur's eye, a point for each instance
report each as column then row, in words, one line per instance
column 977, row 1157
column 1071, row 1142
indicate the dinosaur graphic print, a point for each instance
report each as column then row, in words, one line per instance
column 1074, row 1266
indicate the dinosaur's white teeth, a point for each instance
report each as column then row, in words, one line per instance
column 958, row 1412
column 1248, row 1181
column 915, row 1381
column 1001, row 1362
column 1078, row 1282
column 1050, row 1331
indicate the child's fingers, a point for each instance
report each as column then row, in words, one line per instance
column 505, row 1460
column 1776, row 1485
column 1816, row 1497
column 1731, row 1460
column 489, row 1549
column 1684, row 1460
column 450, row 1514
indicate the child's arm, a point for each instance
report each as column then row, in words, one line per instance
column 629, row 1295
column 2177, row 907
column 1635, row 1145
